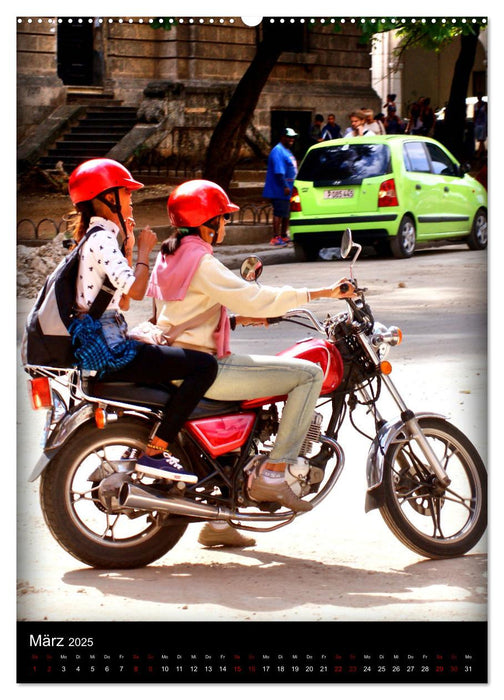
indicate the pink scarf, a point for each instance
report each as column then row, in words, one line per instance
column 172, row 275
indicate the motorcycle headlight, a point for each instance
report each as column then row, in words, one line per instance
column 384, row 337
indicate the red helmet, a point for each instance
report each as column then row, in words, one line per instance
column 194, row 202
column 91, row 178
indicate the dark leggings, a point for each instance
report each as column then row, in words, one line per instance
column 159, row 365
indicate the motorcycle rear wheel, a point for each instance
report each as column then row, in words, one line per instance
column 436, row 522
column 79, row 521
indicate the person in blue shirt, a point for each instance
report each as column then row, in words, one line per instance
column 280, row 176
column 331, row 130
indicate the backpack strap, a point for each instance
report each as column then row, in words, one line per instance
column 107, row 291
column 102, row 299
column 174, row 331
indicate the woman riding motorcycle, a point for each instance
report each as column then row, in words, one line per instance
column 101, row 190
column 192, row 289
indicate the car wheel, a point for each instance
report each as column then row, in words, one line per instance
column 478, row 238
column 403, row 243
column 304, row 253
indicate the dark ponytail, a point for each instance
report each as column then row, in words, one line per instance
column 170, row 245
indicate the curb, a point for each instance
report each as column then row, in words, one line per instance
column 233, row 256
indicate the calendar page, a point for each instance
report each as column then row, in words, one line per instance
column 287, row 530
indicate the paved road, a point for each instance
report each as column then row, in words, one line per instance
column 336, row 563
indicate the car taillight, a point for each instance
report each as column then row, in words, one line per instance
column 40, row 392
column 387, row 195
column 295, row 201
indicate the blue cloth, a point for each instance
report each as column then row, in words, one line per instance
column 101, row 348
column 281, row 173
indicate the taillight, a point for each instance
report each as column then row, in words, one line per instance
column 40, row 392
column 295, row 200
column 387, row 195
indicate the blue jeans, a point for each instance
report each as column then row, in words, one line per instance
column 115, row 328
column 241, row 377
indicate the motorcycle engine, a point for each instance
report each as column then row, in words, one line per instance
column 297, row 477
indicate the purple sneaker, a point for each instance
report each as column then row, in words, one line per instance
column 165, row 467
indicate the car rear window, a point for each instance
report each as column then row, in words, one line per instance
column 347, row 164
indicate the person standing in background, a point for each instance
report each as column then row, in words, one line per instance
column 315, row 135
column 280, row 176
column 331, row 130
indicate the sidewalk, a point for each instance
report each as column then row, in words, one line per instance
column 233, row 255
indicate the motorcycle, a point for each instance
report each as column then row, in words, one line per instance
column 423, row 474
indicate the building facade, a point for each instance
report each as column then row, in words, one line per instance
column 184, row 74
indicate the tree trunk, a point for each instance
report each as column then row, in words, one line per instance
column 227, row 139
column 455, row 118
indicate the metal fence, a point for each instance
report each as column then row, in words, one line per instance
column 46, row 229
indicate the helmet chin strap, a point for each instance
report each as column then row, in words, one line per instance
column 115, row 208
column 213, row 225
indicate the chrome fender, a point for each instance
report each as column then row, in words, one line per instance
column 59, row 435
column 376, row 457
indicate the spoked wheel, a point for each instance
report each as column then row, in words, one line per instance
column 433, row 521
column 103, row 535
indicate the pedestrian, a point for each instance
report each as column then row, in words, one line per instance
column 392, row 123
column 101, row 191
column 315, row 135
column 280, row 176
column 373, row 126
column 331, row 130
column 414, row 117
column 358, row 126
column 427, row 118
column 480, row 124
column 390, row 103
column 188, row 280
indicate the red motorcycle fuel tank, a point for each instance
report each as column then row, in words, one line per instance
column 319, row 351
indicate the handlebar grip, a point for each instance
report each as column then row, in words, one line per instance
column 274, row 319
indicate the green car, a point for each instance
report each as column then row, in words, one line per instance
column 394, row 192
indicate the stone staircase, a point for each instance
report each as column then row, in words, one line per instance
column 93, row 136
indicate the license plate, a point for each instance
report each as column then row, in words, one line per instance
column 338, row 194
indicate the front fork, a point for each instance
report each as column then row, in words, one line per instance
column 408, row 424
column 415, row 432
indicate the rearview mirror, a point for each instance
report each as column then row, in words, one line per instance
column 346, row 248
column 346, row 244
column 251, row 268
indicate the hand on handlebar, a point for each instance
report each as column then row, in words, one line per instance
column 344, row 289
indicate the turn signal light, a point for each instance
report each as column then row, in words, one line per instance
column 295, row 201
column 387, row 195
column 100, row 417
column 40, row 392
column 386, row 367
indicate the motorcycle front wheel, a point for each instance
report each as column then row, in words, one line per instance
column 105, row 538
column 433, row 521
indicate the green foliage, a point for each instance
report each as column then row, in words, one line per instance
column 432, row 33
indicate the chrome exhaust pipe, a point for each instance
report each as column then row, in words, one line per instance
column 146, row 498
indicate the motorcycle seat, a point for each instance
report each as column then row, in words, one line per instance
column 154, row 397
column 128, row 392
